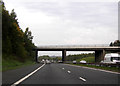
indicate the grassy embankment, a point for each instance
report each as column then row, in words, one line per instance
column 8, row 64
column 87, row 59
column 91, row 59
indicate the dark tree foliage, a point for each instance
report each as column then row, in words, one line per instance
column 45, row 57
column 111, row 44
column 115, row 43
column 14, row 40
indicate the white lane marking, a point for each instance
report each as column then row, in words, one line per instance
column 93, row 69
column 82, row 79
column 63, row 68
column 69, row 71
column 19, row 81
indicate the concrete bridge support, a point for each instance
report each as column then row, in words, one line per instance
column 36, row 55
column 99, row 55
column 63, row 56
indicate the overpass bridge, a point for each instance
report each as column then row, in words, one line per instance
column 99, row 50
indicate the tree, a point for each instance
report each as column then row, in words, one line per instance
column 14, row 40
column 14, row 16
column 115, row 43
column 111, row 44
column 28, row 41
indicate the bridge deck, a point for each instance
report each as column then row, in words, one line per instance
column 76, row 48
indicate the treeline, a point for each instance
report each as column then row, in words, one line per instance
column 115, row 43
column 69, row 57
column 45, row 57
column 79, row 56
column 15, row 42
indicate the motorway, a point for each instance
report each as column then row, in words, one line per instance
column 59, row 74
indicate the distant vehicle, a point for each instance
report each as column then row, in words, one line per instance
column 59, row 61
column 112, row 58
column 83, row 61
column 48, row 62
column 52, row 61
column 74, row 62
column 43, row 61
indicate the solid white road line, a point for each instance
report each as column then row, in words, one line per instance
column 93, row 69
column 82, row 79
column 69, row 71
column 19, row 81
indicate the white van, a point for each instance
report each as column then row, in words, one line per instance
column 111, row 58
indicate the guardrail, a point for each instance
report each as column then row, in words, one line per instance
column 100, row 64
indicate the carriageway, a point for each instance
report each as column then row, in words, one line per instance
column 99, row 50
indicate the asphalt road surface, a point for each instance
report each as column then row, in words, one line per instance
column 59, row 74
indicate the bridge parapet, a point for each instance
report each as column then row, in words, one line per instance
column 76, row 47
column 96, row 45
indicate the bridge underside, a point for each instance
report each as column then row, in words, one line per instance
column 99, row 52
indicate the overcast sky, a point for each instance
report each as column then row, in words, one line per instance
column 67, row 22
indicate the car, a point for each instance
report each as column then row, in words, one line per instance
column 74, row 62
column 42, row 61
column 83, row 61
column 59, row 61
column 48, row 62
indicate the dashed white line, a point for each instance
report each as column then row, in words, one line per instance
column 82, row 79
column 19, row 81
column 63, row 68
column 69, row 71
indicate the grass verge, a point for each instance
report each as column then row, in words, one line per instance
column 9, row 64
column 114, row 69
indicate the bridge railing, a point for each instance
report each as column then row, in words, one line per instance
column 96, row 45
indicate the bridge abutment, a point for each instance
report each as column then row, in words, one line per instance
column 63, row 56
column 99, row 55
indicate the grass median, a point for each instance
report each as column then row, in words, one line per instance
column 114, row 69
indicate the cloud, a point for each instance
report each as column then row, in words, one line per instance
column 68, row 22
